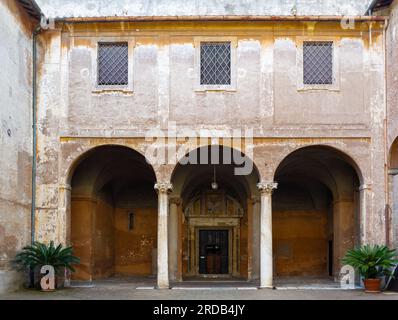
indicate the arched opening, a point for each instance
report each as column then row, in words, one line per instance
column 315, row 212
column 216, row 223
column 393, row 194
column 113, row 214
column 394, row 155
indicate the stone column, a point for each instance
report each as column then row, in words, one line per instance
column 255, row 235
column 364, row 196
column 174, row 234
column 343, row 232
column 266, row 257
column 394, row 207
column 163, row 189
column 64, row 220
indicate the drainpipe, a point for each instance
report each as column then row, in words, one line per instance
column 369, row 12
column 36, row 32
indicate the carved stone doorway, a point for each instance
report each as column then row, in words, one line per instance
column 213, row 233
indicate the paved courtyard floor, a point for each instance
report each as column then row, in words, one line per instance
column 144, row 289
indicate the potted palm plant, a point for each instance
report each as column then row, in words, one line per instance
column 32, row 258
column 372, row 262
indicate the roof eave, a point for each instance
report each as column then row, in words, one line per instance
column 32, row 8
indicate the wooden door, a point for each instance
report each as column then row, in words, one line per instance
column 213, row 251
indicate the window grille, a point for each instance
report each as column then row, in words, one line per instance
column 215, row 63
column 113, row 64
column 318, row 62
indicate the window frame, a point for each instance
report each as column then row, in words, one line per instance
column 210, row 87
column 98, row 88
column 301, row 86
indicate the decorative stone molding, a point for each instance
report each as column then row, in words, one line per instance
column 164, row 187
column 65, row 187
column 175, row 200
column 267, row 187
column 365, row 187
column 256, row 200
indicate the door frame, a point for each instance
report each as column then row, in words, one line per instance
column 194, row 224
column 230, row 251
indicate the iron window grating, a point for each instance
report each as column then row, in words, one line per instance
column 215, row 63
column 318, row 62
column 113, row 64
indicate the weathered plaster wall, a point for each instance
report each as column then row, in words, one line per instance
column 267, row 81
column 15, row 136
column 392, row 72
column 134, row 249
column 300, row 243
column 300, row 230
column 103, row 236
column 392, row 105
column 74, row 8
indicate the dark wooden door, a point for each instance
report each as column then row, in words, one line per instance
column 213, row 251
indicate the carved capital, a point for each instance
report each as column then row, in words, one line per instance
column 175, row 200
column 164, row 187
column 267, row 187
column 256, row 200
column 67, row 187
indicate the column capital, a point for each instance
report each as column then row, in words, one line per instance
column 175, row 200
column 267, row 187
column 65, row 187
column 164, row 187
column 366, row 186
column 256, row 199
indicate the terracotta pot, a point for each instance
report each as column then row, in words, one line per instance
column 372, row 285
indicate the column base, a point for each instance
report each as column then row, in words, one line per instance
column 163, row 288
column 11, row 281
column 267, row 287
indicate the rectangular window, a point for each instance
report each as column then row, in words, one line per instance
column 131, row 221
column 113, row 64
column 215, row 63
column 318, row 62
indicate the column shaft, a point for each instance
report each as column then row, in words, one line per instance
column 266, row 256
column 163, row 212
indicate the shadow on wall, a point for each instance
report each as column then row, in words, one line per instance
column 315, row 212
column 114, row 214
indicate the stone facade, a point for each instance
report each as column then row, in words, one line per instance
column 319, row 183
column 392, row 116
column 75, row 117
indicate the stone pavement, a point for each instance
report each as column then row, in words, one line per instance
column 143, row 289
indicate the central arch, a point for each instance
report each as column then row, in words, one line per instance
column 216, row 225
column 392, row 230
